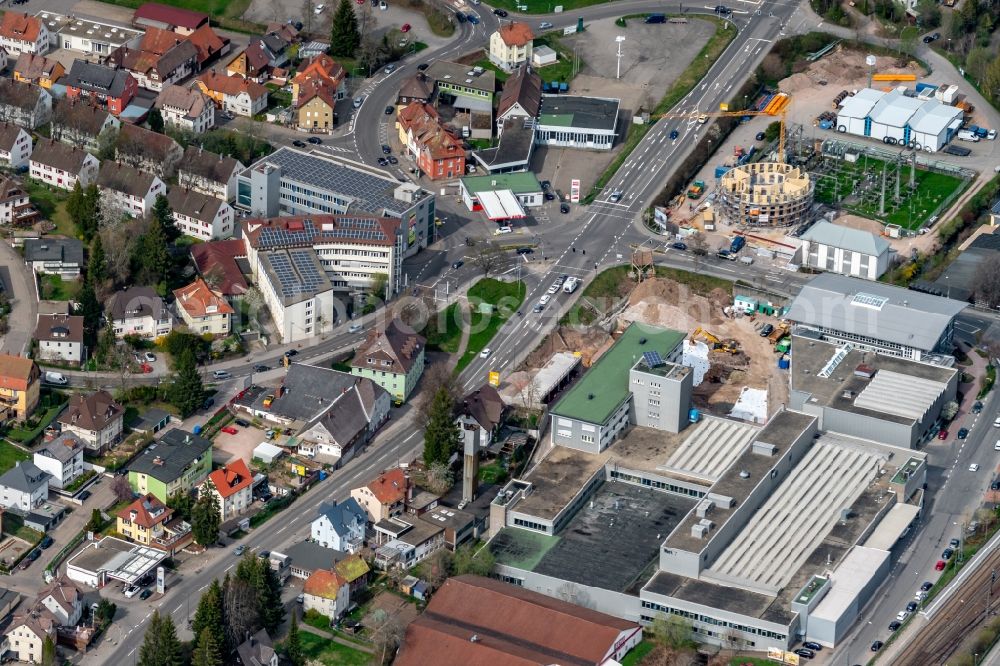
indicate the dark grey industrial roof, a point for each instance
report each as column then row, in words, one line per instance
column 365, row 189
column 310, row 556
column 295, row 273
column 576, row 112
column 98, row 78
column 66, row 250
column 874, row 310
column 24, row 476
column 167, row 458
column 516, row 144
column 308, row 391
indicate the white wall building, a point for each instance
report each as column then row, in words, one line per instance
column 62, row 458
column 20, row 33
column 297, row 292
column 340, row 526
column 894, row 118
column 185, row 108
column 62, row 166
column 200, row 215
column 133, row 190
column 15, row 145
column 232, row 485
column 139, row 311
column 24, row 486
column 828, row 247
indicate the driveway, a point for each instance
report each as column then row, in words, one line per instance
column 19, row 283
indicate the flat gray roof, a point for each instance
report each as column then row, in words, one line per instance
column 874, row 310
column 610, row 543
column 573, row 111
column 366, row 189
column 457, row 74
column 843, row 388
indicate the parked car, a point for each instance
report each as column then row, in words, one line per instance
column 679, row 246
column 544, row 25
column 299, row 144
column 766, row 330
column 926, row 586
column 389, row 69
column 564, row 208
column 977, row 407
column 260, row 367
column 243, row 423
column 131, row 591
column 358, row 101
column 912, row 606
column 221, row 374
column 230, row 430
column 383, row 162
column 803, row 652
column 392, row 159
column 974, row 467
column 45, row 542
column 525, row 250
column 422, row 66
column 811, row 645
column 760, row 136
column 940, row 565
column 947, row 553
column 315, row 140
column 405, row 27
column 34, row 555
column 549, row 196
column 291, row 352
column 150, row 357
column 146, row 594
column 386, row 150
column 208, row 403
column 954, row 543
column 902, row 615
column 84, row 496
column 389, row 110
column 942, row 434
column 502, row 13
column 894, row 625
column 239, row 550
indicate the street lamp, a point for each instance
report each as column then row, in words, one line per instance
column 618, row 40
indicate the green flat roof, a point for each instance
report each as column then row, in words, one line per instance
column 518, row 183
column 556, row 120
column 607, row 380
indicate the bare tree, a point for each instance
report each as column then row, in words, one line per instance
column 437, row 478
column 436, row 377
column 386, row 633
column 118, row 252
column 121, row 488
column 987, row 285
column 488, row 258
column 436, row 568
column 699, row 248
column 239, row 601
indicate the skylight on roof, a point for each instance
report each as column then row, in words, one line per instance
column 869, row 301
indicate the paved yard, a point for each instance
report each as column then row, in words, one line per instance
column 241, row 445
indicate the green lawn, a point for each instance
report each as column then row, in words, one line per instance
column 506, row 297
column 28, row 435
column 226, row 13
column 54, row 288
column 699, row 283
column 9, row 455
column 562, row 69
column 486, row 64
column 635, row 657
column 51, row 203
column 932, row 190
column 684, row 84
column 444, row 331
column 324, row 651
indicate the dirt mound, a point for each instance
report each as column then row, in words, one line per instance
column 590, row 342
column 655, row 290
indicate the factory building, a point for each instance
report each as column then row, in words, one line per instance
column 896, row 118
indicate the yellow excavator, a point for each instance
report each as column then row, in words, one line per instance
column 716, row 343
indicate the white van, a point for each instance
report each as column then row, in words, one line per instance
column 221, row 374
column 571, row 284
column 56, row 378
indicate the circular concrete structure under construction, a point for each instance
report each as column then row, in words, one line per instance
column 765, row 194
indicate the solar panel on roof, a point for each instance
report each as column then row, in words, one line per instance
column 652, row 359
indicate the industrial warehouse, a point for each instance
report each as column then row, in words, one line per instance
column 896, row 117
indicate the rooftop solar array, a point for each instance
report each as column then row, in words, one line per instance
column 869, row 300
column 296, row 272
column 652, row 359
column 365, row 190
column 309, row 233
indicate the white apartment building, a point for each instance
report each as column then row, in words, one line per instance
column 209, row 173
column 200, row 215
column 15, row 145
column 510, row 45
column 297, row 292
column 62, row 166
column 133, row 190
column 232, row 485
column 188, row 109
column 340, row 526
column 62, row 458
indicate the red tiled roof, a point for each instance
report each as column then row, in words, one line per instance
column 323, row 67
column 149, row 511
column 317, row 88
column 232, row 478
column 207, row 42
column 323, row 583
column 20, row 27
column 184, row 18
column 516, row 34
column 159, row 41
column 231, row 85
column 389, row 487
column 197, row 298
column 513, row 626
column 219, row 257
column 428, row 132
column 17, row 373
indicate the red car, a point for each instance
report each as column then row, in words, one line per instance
column 942, row 435
column 230, row 430
column 940, row 565
column 405, row 28
column 146, row 368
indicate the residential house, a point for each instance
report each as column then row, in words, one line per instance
column 327, row 593
column 216, row 262
column 521, row 96
column 201, row 216
column 471, row 96
column 178, row 462
column 322, row 69
column 481, row 413
column 385, row 496
column 439, row 154
column 15, row 204
column 139, row 311
column 250, row 64
column 257, row 651
column 162, row 58
column 20, row 33
column 305, row 557
column 20, row 383
column 316, row 107
column 38, row 70
column 134, row 191
column 24, row 104
column 406, row 541
column 61, row 165
column 55, row 256
column 24, row 486
column 209, row 173
column 186, row 108
column 340, row 526
column 95, row 418
column 147, row 520
column 27, row 633
column 286, row 31
column 393, row 358
column 355, row 571
column 417, row 88
column 165, row 17
column 62, row 458
column 60, row 338
column 64, row 600
column 104, row 86
column 510, row 45
column 147, row 150
column 15, row 145
column 233, row 94
column 340, row 432
column 81, row 124
column 208, row 44
column 232, row 485
column 203, row 310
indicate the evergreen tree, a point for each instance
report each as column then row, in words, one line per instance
column 344, row 35
column 207, row 652
column 152, row 258
column 187, row 393
column 160, row 646
column 82, row 209
column 209, row 616
column 182, row 504
column 156, row 121
column 97, row 263
column 74, row 206
column 441, row 435
column 205, row 519
column 90, row 309
column 257, row 573
column 106, row 343
column 163, row 214
column 48, row 652
column 293, row 646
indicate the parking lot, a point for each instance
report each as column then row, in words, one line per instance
column 229, row 447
